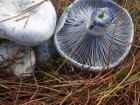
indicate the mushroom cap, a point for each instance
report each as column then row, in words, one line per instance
column 19, row 60
column 92, row 41
column 27, row 22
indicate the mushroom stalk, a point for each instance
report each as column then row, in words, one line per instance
column 100, row 20
column 16, row 59
column 44, row 52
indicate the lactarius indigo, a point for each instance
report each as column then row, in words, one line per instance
column 29, row 23
column 94, row 34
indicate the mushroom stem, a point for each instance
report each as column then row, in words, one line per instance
column 100, row 21
column 44, row 52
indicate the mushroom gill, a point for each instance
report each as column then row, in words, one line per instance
column 94, row 34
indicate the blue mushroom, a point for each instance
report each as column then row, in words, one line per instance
column 94, row 34
column 26, row 24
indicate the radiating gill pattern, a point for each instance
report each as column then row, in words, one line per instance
column 76, row 42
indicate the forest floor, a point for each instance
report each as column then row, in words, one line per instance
column 61, row 84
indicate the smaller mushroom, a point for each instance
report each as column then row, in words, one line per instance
column 94, row 34
column 21, row 64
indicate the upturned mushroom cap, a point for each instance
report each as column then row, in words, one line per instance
column 19, row 60
column 27, row 22
column 94, row 34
